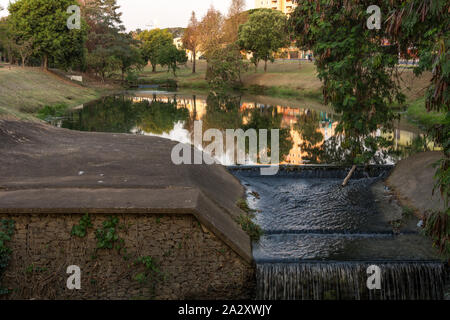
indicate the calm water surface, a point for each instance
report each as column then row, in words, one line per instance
column 171, row 115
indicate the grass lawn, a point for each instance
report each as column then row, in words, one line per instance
column 418, row 114
column 284, row 78
column 24, row 91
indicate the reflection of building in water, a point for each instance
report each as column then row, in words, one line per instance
column 289, row 120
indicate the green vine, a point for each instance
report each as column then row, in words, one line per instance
column 252, row 229
column 81, row 229
column 437, row 227
column 6, row 232
column 151, row 274
column 107, row 236
column 246, row 220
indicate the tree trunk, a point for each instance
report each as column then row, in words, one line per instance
column 153, row 67
column 45, row 62
column 23, row 62
column 208, row 71
column 194, row 55
column 265, row 65
column 347, row 179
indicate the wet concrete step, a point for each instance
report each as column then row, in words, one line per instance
column 289, row 248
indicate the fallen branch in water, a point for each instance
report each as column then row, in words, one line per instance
column 350, row 174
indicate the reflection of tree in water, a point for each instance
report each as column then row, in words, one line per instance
column 269, row 118
column 159, row 117
column 122, row 114
column 336, row 149
column 222, row 112
column 308, row 126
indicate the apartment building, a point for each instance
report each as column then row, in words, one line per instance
column 285, row 6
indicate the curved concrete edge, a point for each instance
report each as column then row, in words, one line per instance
column 413, row 181
column 155, row 201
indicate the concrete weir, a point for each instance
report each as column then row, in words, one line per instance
column 181, row 216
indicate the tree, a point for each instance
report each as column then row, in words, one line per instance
column 227, row 65
column 128, row 55
column 24, row 48
column 109, row 47
column 170, row 56
column 424, row 25
column 358, row 74
column 191, row 39
column 152, row 43
column 263, row 34
column 210, row 32
column 5, row 40
column 46, row 22
column 236, row 17
column 210, row 35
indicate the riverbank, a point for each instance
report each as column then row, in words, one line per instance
column 283, row 79
column 24, row 91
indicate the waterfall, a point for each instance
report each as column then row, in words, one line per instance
column 348, row 281
column 320, row 239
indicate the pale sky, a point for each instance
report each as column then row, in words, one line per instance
column 160, row 13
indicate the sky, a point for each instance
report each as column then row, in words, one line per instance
column 145, row 14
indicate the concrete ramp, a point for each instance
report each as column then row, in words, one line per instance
column 49, row 170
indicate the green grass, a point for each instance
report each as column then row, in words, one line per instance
column 284, row 92
column 417, row 113
column 283, row 79
column 23, row 92
column 184, row 77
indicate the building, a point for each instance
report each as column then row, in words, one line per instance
column 285, row 6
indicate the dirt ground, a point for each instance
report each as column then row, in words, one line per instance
column 413, row 182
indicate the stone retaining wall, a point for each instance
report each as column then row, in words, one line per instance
column 193, row 262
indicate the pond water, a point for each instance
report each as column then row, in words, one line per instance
column 172, row 114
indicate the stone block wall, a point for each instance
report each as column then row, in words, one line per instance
column 192, row 262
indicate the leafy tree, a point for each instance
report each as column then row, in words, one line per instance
column 109, row 47
column 424, row 25
column 191, row 39
column 357, row 71
column 5, row 40
column 128, row 55
column 153, row 41
column 46, row 22
column 263, row 34
column 226, row 67
column 170, row 56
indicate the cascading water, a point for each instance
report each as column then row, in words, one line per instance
column 319, row 239
column 347, row 280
